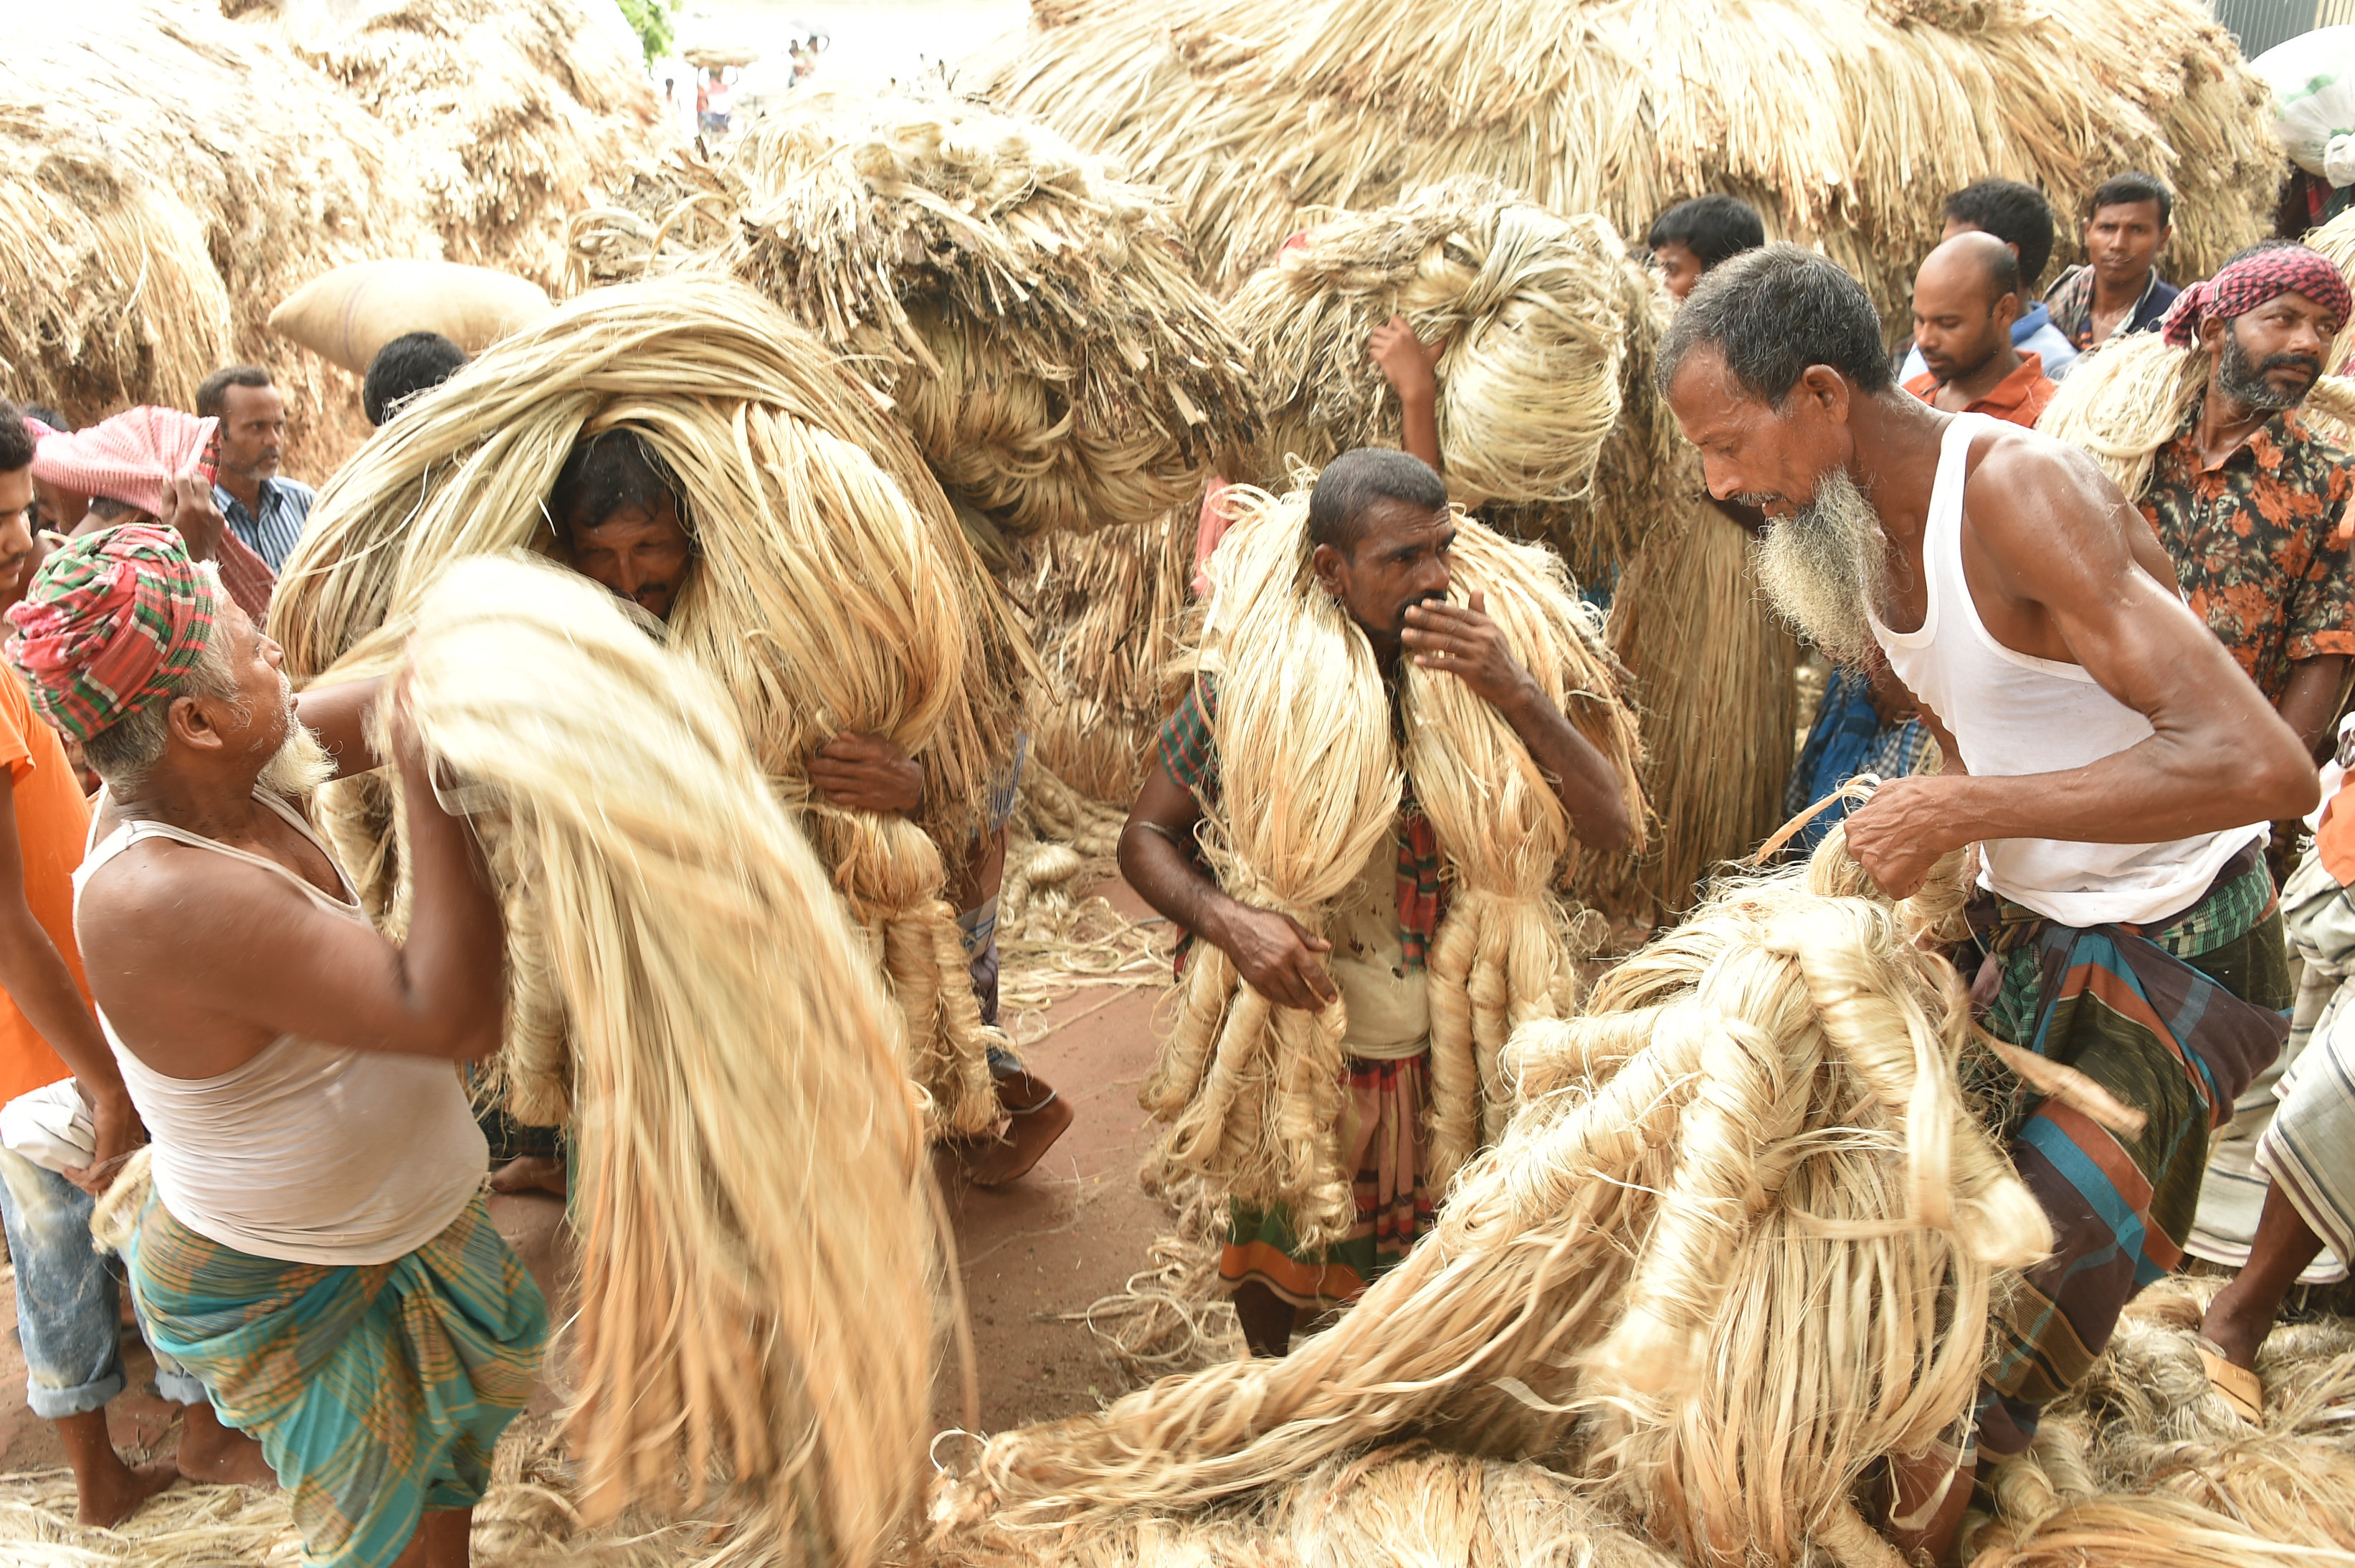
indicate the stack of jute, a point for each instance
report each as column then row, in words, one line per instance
column 514, row 114
column 1846, row 122
column 168, row 178
column 749, row 1189
column 831, row 591
column 1737, row 1243
column 1033, row 316
column 1251, row 1089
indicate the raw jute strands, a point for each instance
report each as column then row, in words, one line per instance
column 755, row 1295
column 2127, row 404
column 1537, row 311
column 1846, row 122
column 1311, row 781
column 831, row 589
column 168, row 178
column 1737, row 1243
column 1033, row 314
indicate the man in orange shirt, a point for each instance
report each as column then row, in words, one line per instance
column 68, row 1311
column 1965, row 298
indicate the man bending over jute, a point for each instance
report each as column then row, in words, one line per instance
column 2114, row 769
column 314, row 1248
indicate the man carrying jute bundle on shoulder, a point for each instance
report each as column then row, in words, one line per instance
column 1380, row 535
column 314, row 1248
column 2114, row 768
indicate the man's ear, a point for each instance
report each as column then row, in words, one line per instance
column 1827, row 389
column 189, row 721
column 1325, row 563
column 2213, row 331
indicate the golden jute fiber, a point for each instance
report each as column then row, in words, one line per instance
column 756, row 1296
column 1033, row 314
column 1846, row 122
column 1737, row 1245
column 831, row 591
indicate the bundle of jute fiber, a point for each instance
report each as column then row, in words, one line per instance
column 1846, row 122
column 1402, row 1504
column 1714, row 670
column 1034, row 316
column 749, row 1190
column 2126, row 405
column 1251, row 1089
column 1737, row 1243
column 1108, row 613
column 169, row 178
column 831, row 589
column 516, row 113
column 1536, row 312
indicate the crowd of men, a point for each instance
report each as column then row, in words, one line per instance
column 2122, row 705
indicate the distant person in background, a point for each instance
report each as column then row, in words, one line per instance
column 412, row 364
column 2018, row 215
column 264, row 511
column 1693, row 236
column 2118, row 290
column 55, row 511
column 1965, row 298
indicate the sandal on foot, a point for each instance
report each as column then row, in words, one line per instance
column 2237, row 1386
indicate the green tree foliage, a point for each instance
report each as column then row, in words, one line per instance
column 652, row 18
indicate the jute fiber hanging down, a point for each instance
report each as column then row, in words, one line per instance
column 830, row 591
column 1736, row 1243
column 756, row 1304
column 1252, row 1090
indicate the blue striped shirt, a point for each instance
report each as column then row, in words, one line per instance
column 285, row 507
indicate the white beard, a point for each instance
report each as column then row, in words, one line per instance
column 301, row 763
column 1816, row 564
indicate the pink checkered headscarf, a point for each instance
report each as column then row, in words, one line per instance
column 2249, row 282
column 128, row 458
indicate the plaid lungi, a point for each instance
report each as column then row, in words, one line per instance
column 378, row 1390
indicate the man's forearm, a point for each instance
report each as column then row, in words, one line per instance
column 1583, row 780
column 42, row 986
column 1167, row 878
column 455, row 956
column 2149, row 793
column 2310, row 702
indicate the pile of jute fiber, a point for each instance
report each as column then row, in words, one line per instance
column 169, row 178
column 831, row 591
column 1033, row 316
column 515, row 114
column 1251, row 1089
column 751, row 1196
column 1736, row 1245
column 1846, row 122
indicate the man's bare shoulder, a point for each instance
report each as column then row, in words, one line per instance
column 159, row 892
column 2029, row 496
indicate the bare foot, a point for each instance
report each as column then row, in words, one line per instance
column 107, row 1499
column 219, row 1455
column 530, row 1173
column 1030, row 1134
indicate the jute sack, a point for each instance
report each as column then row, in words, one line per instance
column 346, row 316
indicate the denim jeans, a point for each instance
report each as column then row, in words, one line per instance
column 68, row 1303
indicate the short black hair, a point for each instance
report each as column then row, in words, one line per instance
column 2014, row 213
column 212, row 392
column 15, row 441
column 1772, row 313
column 611, row 470
column 1353, row 483
column 49, row 417
column 1714, row 228
column 413, row 363
column 2129, row 189
column 111, row 510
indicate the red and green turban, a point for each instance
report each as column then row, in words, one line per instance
column 110, row 623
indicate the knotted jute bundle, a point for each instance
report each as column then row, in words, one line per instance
column 756, row 1304
column 1737, row 1242
column 1311, row 778
column 831, row 590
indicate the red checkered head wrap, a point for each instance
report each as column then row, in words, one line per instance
column 110, row 623
column 129, row 458
column 2249, row 282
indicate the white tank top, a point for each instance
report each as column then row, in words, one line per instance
column 2011, row 714
column 313, row 1153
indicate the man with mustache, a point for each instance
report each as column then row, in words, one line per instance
column 2251, row 504
column 2112, row 771
column 264, row 509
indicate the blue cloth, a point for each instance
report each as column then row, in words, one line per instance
column 1847, row 738
column 68, row 1303
column 2032, row 332
column 285, row 507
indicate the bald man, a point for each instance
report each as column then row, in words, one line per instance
column 1965, row 298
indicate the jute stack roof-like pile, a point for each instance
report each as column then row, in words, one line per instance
column 1032, row 314
column 832, row 591
column 168, row 178
column 515, row 114
column 1844, row 122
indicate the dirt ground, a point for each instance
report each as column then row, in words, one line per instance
column 1071, row 1232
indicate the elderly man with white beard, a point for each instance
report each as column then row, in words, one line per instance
column 2112, row 766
